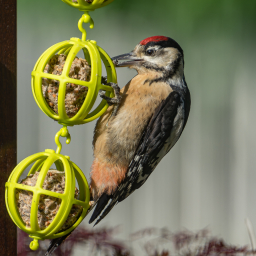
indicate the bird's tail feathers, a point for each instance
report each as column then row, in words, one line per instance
column 55, row 243
column 109, row 207
column 101, row 204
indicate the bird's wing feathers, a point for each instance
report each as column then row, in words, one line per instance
column 150, row 151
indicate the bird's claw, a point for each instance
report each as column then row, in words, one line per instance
column 91, row 204
column 111, row 101
column 104, row 80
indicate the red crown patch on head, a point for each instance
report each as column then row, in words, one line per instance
column 154, row 39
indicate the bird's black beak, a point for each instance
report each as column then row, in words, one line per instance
column 126, row 60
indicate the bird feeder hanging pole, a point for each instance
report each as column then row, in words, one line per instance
column 8, row 120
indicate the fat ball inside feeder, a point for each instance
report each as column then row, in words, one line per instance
column 48, row 206
column 75, row 94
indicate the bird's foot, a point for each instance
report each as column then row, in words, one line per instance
column 91, row 203
column 104, row 79
column 111, row 101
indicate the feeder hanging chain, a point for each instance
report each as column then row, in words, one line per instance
column 86, row 18
column 63, row 132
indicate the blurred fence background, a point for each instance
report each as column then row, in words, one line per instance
column 208, row 178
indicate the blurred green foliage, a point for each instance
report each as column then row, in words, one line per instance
column 196, row 12
column 188, row 15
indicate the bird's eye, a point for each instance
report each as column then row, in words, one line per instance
column 150, row 51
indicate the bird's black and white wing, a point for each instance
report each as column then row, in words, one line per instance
column 162, row 132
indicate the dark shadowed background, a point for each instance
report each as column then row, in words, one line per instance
column 208, row 179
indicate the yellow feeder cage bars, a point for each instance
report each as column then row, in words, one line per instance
column 83, row 5
column 93, row 54
column 42, row 163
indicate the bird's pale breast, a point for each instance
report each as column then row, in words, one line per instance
column 121, row 134
column 116, row 138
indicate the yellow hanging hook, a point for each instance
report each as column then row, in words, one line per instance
column 63, row 132
column 86, row 18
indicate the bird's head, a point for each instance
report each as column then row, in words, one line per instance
column 157, row 53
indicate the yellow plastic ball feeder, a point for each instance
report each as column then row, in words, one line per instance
column 42, row 163
column 93, row 54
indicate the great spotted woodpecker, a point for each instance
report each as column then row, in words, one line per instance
column 153, row 109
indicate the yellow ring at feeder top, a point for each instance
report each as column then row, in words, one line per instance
column 93, row 54
column 82, row 5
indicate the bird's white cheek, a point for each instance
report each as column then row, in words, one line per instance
column 153, row 60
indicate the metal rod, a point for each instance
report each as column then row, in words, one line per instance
column 8, row 119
